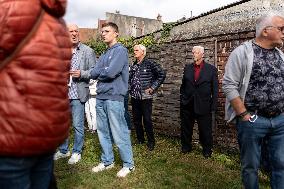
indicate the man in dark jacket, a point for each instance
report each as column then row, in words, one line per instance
column 145, row 78
column 199, row 90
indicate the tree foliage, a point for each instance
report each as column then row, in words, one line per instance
column 97, row 45
column 100, row 47
column 148, row 41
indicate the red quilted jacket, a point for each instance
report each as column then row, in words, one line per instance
column 35, row 54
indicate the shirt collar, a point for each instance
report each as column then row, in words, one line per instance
column 77, row 48
column 200, row 65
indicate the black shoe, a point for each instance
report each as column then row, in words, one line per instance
column 186, row 150
column 140, row 142
column 207, row 155
column 151, row 146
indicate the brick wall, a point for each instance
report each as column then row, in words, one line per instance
column 225, row 134
column 87, row 34
column 173, row 57
column 219, row 31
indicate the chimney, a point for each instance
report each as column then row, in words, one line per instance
column 159, row 17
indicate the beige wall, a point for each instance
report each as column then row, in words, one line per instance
column 134, row 26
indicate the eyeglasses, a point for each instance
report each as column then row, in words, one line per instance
column 281, row 29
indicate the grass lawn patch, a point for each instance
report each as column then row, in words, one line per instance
column 165, row 167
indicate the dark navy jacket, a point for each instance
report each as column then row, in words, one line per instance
column 203, row 93
column 151, row 75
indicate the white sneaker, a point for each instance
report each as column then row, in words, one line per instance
column 59, row 155
column 102, row 167
column 125, row 171
column 74, row 158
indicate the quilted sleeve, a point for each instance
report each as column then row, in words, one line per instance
column 17, row 18
column 54, row 7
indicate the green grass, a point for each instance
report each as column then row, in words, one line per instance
column 165, row 167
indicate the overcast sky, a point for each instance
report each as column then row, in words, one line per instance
column 85, row 13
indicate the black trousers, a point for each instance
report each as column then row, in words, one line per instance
column 188, row 118
column 53, row 183
column 142, row 110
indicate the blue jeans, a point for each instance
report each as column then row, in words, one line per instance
column 112, row 127
column 250, row 137
column 26, row 173
column 78, row 121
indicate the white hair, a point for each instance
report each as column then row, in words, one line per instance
column 200, row 48
column 142, row 47
column 265, row 21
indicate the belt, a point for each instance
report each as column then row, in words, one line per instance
column 266, row 114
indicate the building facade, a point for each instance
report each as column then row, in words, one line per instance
column 131, row 26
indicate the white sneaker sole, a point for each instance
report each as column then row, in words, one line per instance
column 64, row 156
column 106, row 168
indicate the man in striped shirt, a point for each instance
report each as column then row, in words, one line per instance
column 83, row 59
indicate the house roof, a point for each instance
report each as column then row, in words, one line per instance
column 202, row 15
column 212, row 11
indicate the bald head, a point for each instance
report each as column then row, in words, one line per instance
column 72, row 26
column 74, row 34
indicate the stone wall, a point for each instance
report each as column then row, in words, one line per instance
column 234, row 18
column 219, row 32
column 173, row 57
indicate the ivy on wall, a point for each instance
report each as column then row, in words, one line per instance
column 166, row 31
column 100, row 47
column 148, row 41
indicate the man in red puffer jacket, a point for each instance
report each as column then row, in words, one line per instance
column 35, row 54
